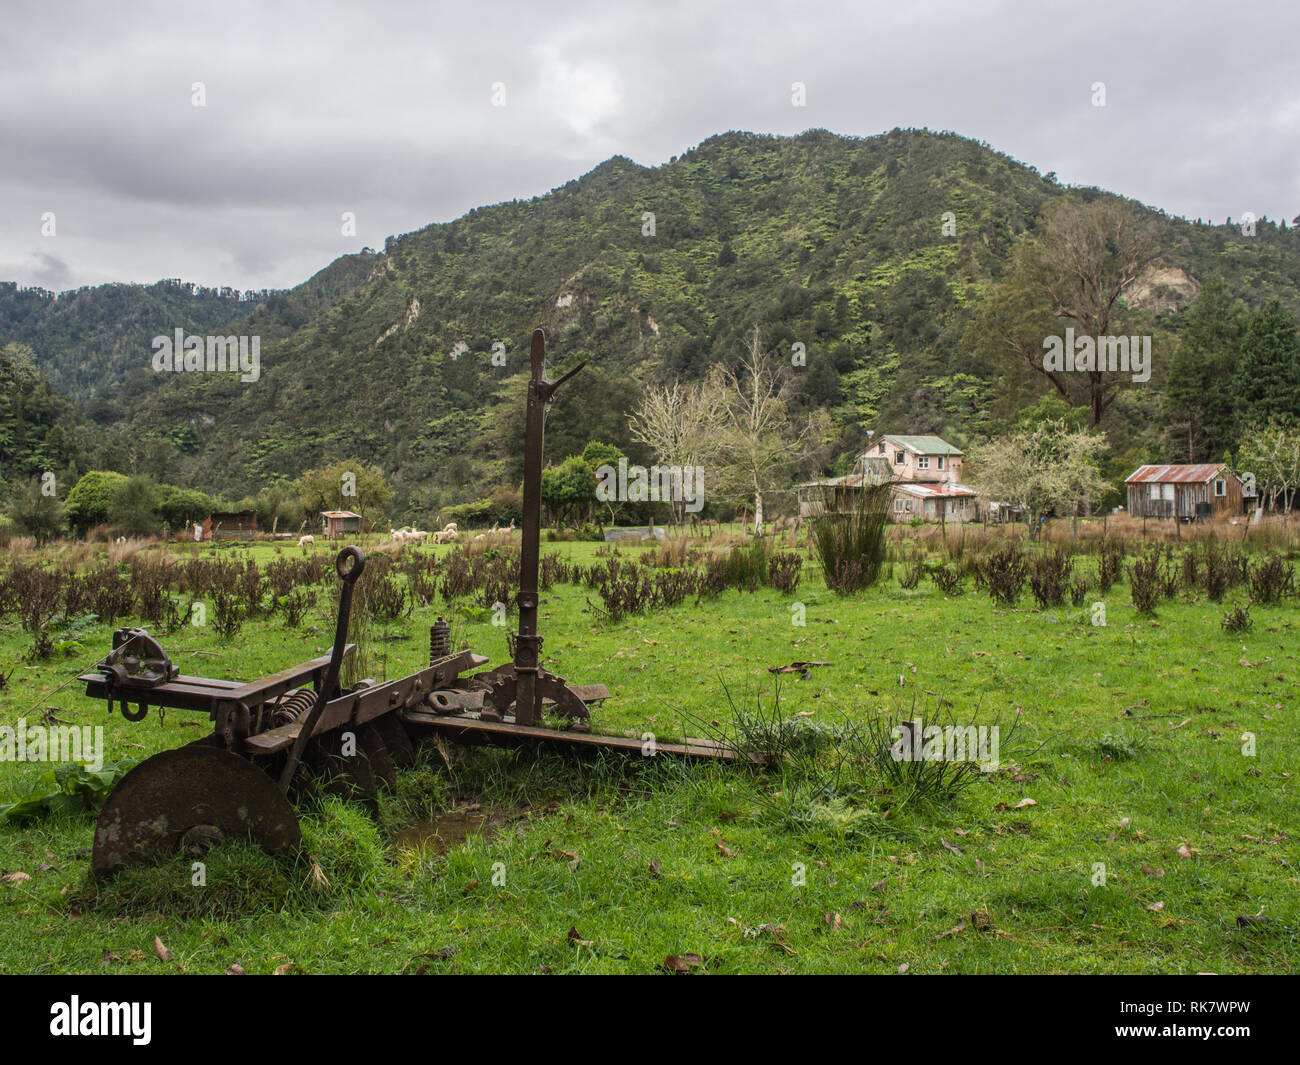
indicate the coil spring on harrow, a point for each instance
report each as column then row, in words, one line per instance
column 292, row 706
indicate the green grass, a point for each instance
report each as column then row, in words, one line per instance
column 1129, row 743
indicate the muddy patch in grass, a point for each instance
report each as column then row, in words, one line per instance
column 449, row 829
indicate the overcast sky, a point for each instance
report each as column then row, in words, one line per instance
column 386, row 110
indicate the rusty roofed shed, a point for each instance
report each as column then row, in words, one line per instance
column 340, row 522
column 1175, row 491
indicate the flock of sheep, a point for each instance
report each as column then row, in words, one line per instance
column 447, row 535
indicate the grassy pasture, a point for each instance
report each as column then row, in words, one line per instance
column 1128, row 741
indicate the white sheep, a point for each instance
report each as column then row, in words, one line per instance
column 303, row 541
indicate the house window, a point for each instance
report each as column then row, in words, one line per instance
column 900, row 504
column 1155, row 491
column 898, row 458
column 1220, row 487
column 940, row 462
column 923, row 462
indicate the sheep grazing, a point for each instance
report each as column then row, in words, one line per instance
column 303, row 541
column 398, row 536
column 418, row 536
column 448, row 534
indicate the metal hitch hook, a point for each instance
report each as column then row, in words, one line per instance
column 349, row 574
column 329, row 686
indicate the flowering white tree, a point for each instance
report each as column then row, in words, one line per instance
column 1272, row 454
column 1044, row 467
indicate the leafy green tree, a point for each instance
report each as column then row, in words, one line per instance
column 347, row 485
column 569, row 490
column 37, row 514
column 92, row 497
column 1072, row 273
column 277, row 506
column 134, row 508
column 1200, row 386
column 181, row 507
column 1267, row 384
column 38, row 428
column 596, row 455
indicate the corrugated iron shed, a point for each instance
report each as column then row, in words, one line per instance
column 1194, row 474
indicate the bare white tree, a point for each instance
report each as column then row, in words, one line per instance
column 737, row 425
column 677, row 422
column 759, row 442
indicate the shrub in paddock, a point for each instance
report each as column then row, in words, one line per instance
column 1169, row 575
column 383, row 597
column 227, row 614
column 1079, row 588
column 1237, row 620
column 1110, row 563
column 1004, row 573
column 496, row 585
column 1144, row 581
column 745, row 565
column 913, row 568
column 783, row 571
column 37, row 595
column 456, row 577
column 623, row 591
column 1217, row 571
column 294, row 606
column 948, row 579
column 555, row 569
column 1271, row 579
column 149, row 581
column 250, row 587
column 1049, row 576
column 110, row 594
column 1191, row 570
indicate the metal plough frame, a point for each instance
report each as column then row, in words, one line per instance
column 238, row 779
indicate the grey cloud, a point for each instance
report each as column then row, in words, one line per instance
column 385, row 110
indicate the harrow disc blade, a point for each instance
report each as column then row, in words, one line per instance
column 194, row 795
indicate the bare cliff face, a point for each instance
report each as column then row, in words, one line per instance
column 1162, row 288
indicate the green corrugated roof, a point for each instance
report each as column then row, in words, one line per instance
column 923, row 445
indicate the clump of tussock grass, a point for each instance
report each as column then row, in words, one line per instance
column 848, row 776
column 851, row 546
column 1237, row 620
column 1117, row 746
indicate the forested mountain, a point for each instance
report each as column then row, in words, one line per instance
column 838, row 244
